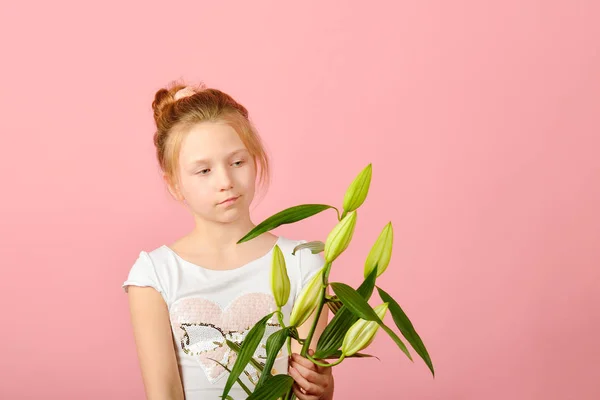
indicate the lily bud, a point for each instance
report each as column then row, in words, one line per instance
column 280, row 282
column 362, row 332
column 381, row 252
column 307, row 300
column 358, row 189
column 340, row 236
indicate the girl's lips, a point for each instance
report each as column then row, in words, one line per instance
column 229, row 201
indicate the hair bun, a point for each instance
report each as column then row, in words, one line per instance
column 161, row 99
column 185, row 92
column 169, row 95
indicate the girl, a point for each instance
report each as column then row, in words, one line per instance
column 187, row 298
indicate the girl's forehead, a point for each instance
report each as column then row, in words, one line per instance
column 207, row 142
column 205, row 160
column 209, row 133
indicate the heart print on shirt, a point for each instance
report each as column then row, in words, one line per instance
column 201, row 326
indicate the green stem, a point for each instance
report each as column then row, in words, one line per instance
column 308, row 340
column 326, row 364
column 305, row 346
column 337, row 211
column 289, row 339
column 289, row 345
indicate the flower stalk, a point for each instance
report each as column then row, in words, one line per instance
column 355, row 323
column 311, row 332
column 321, row 302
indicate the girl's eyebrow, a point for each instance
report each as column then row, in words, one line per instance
column 202, row 161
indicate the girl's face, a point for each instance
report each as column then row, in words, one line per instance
column 214, row 165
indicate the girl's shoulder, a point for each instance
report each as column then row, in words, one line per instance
column 303, row 258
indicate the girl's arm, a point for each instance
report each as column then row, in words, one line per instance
column 154, row 344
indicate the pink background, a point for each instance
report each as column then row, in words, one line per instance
column 482, row 123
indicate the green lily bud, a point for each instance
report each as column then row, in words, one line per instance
column 381, row 252
column 362, row 332
column 340, row 236
column 358, row 189
column 280, row 282
column 307, row 300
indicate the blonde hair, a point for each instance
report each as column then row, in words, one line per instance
column 174, row 115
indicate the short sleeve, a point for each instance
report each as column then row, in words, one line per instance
column 309, row 263
column 142, row 273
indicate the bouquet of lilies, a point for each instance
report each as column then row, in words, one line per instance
column 355, row 322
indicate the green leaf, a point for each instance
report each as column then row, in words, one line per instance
column 354, row 301
column 359, row 306
column 406, row 328
column 366, row 288
column 395, row 338
column 273, row 388
column 239, row 380
column 274, row 343
column 338, row 353
column 334, row 304
column 294, row 332
column 233, row 346
column 287, row 216
column 246, row 352
column 332, row 337
column 315, row 247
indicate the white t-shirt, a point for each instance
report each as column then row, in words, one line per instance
column 208, row 306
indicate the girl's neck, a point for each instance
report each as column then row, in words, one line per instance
column 214, row 237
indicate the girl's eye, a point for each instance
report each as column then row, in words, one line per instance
column 238, row 162
column 202, row 172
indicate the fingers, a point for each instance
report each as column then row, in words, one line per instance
column 301, row 395
column 302, row 382
column 295, row 357
column 310, row 380
column 305, row 362
column 309, row 374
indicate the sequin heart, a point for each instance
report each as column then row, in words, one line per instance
column 201, row 327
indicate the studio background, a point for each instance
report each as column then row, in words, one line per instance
column 480, row 118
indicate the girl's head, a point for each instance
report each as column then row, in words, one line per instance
column 208, row 150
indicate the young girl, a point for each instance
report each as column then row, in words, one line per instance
column 188, row 297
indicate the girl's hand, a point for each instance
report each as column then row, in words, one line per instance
column 312, row 382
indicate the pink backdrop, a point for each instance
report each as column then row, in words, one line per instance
column 482, row 123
